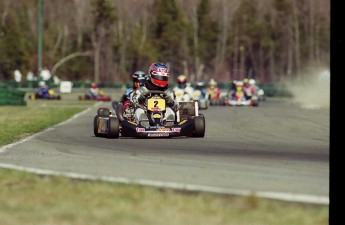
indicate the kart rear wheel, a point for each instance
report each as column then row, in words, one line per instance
column 113, row 127
column 95, row 126
column 199, row 126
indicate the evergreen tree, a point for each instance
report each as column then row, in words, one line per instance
column 104, row 18
column 170, row 33
column 16, row 44
column 207, row 34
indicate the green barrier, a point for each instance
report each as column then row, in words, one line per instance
column 11, row 96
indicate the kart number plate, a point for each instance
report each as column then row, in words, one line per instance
column 156, row 104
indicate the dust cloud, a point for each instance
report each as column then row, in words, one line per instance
column 312, row 89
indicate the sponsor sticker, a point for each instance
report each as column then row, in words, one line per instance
column 139, row 129
column 158, row 134
column 176, row 129
column 163, row 129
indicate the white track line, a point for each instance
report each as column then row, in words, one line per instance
column 188, row 187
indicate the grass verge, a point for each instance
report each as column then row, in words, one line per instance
column 27, row 198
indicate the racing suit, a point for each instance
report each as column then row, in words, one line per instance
column 137, row 97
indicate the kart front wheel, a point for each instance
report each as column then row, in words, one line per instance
column 113, row 127
column 95, row 126
column 199, row 126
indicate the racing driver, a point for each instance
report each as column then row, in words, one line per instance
column 158, row 76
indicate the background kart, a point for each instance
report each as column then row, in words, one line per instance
column 52, row 96
column 104, row 98
column 201, row 99
column 188, row 122
column 240, row 101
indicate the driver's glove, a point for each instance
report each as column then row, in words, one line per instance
column 169, row 98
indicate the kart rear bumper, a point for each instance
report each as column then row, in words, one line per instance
column 130, row 129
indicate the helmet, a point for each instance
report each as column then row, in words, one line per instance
column 181, row 81
column 239, row 83
column 93, row 85
column 42, row 83
column 138, row 78
column 212, row 83
column 159, row 74
column 200, row 84
column 251, row 82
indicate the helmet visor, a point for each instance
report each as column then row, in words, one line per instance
column 160, row 77
column 160, row 80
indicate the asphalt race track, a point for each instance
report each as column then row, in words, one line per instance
column 277, row 150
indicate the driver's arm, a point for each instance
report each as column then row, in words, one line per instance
column 170, row 97
column 139, row 95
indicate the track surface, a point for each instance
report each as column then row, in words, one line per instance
column 276, row 148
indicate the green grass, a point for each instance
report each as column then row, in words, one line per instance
column 27, row 198
column 19, row 121
column 33, row 199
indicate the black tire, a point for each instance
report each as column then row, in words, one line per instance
column 95, row 126
column 103, row 112
column 119, row 111
column 199, row 126
column 222, row 102
column 113, row 127
column 114, row 104
column 256, row 103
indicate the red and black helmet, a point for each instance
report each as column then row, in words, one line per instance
column 159, row 74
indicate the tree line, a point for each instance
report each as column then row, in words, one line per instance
column 107, row 40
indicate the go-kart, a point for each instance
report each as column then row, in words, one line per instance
column 213, row 97
column 187, row 122
column 51, row 96
column 239, row 99
column 104, row 98
column 261, row 94
column 99, row 97
column 184, row 96
column 201, row 99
